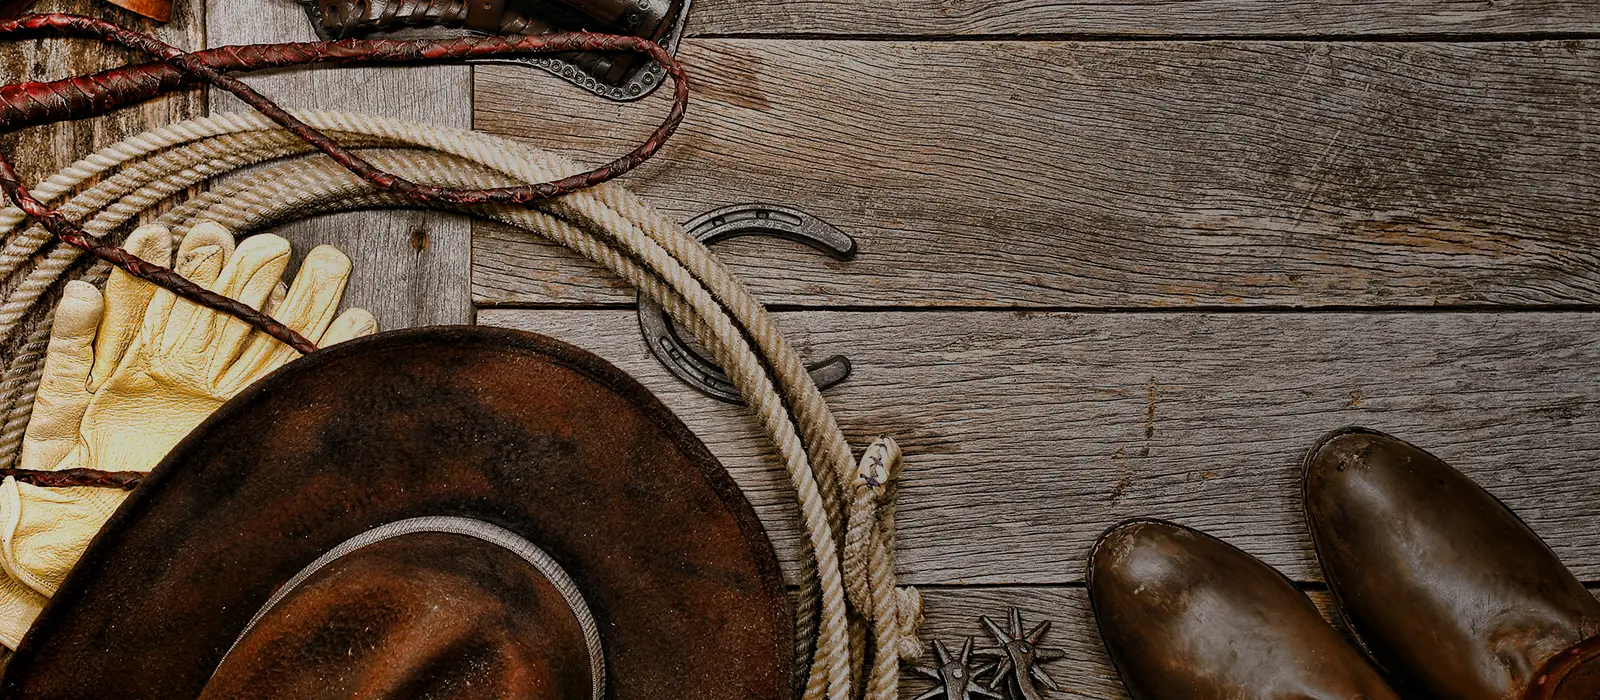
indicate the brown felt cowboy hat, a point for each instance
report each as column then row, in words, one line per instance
column 438, row 513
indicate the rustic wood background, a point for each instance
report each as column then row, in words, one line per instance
column 1116, row 259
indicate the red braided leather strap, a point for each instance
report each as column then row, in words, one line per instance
column 77, row 477
column 34, row 103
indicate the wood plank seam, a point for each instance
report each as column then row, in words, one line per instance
column 1127, row 175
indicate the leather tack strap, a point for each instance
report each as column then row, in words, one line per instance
column 485, row 15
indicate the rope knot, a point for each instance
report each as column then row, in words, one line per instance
column 894, row 613
column 908, row 602
column 879, row 465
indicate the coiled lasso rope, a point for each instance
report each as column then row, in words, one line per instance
column 849, row 602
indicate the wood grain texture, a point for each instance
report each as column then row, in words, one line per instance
column 1159, row 18
column 40, row 151
column 1122, row 174
column 1085, row 673
column 1028, row 434
column 411, row 267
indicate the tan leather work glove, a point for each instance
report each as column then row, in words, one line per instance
column 64, row 393
column 52, row 431
column 158, row 366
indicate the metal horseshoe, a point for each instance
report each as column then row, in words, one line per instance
column 722, row 224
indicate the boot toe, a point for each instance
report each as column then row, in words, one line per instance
column 1186, row 615
column 1142, row 554
column 1349, row 460
column 1440, row 583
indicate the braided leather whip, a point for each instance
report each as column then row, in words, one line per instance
column 33, row 103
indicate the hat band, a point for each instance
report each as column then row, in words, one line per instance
column 493, row 534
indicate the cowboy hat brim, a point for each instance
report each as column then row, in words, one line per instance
column 510, row 428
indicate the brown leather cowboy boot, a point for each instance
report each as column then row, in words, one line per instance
column 1443, row 585
column 1185, row 615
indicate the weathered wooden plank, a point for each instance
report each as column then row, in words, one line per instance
column 411, row 268
column 40, row 151
column 1086, row 672
column 1124, row 174
column 1159, row 18
column 1030, row 433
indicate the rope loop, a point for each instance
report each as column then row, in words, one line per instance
column 32, row 103
column 260, row 175
column 457, row 170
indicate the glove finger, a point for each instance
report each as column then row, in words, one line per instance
column 204, row 251
column 309, row 308
column 127, row 298
column 43, row 531
column 314, row 298
column 201, row 258
column 354, row 323
column 64, row 383
column 254, row 271
column 275, row 300
column 253, row 350
column 19, row 604
column 19, row 607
